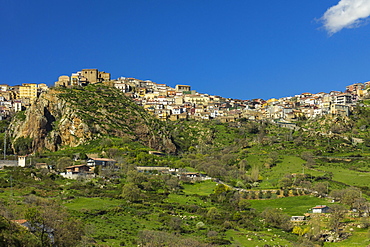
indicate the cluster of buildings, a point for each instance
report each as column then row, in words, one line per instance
column 181, row 102
column 88, row 170
column 83, row 78
column 17, row 98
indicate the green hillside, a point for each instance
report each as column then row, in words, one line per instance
column 258, row 176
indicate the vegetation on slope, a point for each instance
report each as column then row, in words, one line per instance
column 261, row 175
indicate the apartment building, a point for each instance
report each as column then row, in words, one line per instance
column 28, row 90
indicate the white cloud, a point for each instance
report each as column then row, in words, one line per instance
column 346, row 14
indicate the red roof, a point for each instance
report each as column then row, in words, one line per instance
column 20, row 221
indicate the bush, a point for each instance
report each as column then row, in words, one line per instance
column 23, row 145
column 286, row 193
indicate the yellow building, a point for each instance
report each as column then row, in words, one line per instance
column 28, row 90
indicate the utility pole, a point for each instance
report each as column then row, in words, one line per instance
column 11, row 185
column 5, row 144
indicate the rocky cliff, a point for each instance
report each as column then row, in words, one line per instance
column 71, row 117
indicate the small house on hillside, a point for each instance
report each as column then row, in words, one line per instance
column 42, row 166
column 320, row 209
column 101, row 162
column 77, row 171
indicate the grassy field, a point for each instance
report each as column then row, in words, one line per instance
column 187, row 200
column 203, row 189
column 95, row 203
column 286, row 165
column 249, row 238
column 359, row 238
column 112, row 222
column 348, row 176
column 293, row 206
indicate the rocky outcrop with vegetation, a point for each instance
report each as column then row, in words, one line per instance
column 74, row 116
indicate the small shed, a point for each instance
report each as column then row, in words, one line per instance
column 41, row 166
column 320, row 209
column 298, row 218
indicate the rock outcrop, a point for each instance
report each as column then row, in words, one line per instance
column 71, row 117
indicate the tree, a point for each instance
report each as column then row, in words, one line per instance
column 268, row 194
column 255, row 172
column 175, row 223
column 244, row 204
column 253, row 195
column 347, row 196
column 106, row 142
column 52, row 224
column 131, row 192
column 136, row 177
column 321, row 188
column 337, row 214
column 286, row 182
column 315, row 228
column 260, row 194
column 336, row 194
column 173, row 183
column 286, row 192
column 308, row 156
column 300, row 230
column 221, row 188
column 350, row 195
column 275, row 218
column 23, row 145
column 64, row 162
column 213, row 213
column 243, row 166
column 362, row 206
column 274, row 157
column 252, row 128
column 38, row 226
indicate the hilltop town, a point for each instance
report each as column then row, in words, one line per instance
column 181, row 102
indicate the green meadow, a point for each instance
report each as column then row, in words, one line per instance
column 293, row 206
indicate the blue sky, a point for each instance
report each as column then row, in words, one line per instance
column 239, row 49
